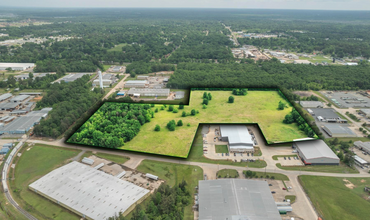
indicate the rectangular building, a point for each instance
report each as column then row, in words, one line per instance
column 149, row 92
column 5, row 96
column 336, row 130
column 236, row 199
column 365, row 112
column 179, row 94
column 73, row 76
column 136, row 84
column 142, row 77
column 88, row 192
column 238, row 137
column 106, row 82
column 301, row 62
column 364, row 146
column 19, row 98
column 359, row 161
column 311, row 104
column 9, row 106
column 16, row 66
column 316, row 152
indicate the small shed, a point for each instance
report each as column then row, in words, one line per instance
column 4, row 150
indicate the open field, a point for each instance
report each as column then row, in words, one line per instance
column 113, row 158
column 342, row 168
column 334, row 200
column 32, row 165
column 173, row 174
column 227, row 173
column 256, row 107
column 221, row 149
column 117, row 48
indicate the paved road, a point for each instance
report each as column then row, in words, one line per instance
column 119, row 85
column 301, row 206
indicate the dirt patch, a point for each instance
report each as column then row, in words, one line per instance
column 303, row 93
column 348, row 184
column 363, row 181
column 36, row 99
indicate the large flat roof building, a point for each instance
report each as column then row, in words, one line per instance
column 236, row 199
column 238, row 137
column 301, row 62
column 16, row 66
column 73, row 76
column 365, row 146
column 336, row 130
column 149, row 92
column 366, row 112
column 9, row 106
column 19, row 98
column 316, row 152
column 5, row 96
column 136, row 84
column 88, row 192
column 311, row 104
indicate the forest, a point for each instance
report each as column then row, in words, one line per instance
column 166, row 203
column 270, row 74
column 113, row 124
column 144, row 68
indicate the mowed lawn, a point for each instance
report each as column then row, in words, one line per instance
column 256, row 107
column 174, row 174
column 32, row 165
column 334, row 201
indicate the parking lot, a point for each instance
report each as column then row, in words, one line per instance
column 349, row 99
column 290, row 161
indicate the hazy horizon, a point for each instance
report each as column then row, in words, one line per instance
column 346, row 5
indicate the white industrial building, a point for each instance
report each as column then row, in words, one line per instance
column 16, row 66
column 106, row 82
column 5, row 96
column 142, row 77
column 136, row 84
column 88, row 192
column 238, row 137
column 316, row 152
column 236, row 199
column 359, row 161
column 19, row 98
column 364, row 146
column 301, row 62
column 148, row 92
column 351, row 64
column 311, row 104
column 336, row 130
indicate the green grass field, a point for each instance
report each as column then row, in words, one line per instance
column 334, row 201
column 117, row 48
column 291, row 197
column 221, row 149
column 113, row 158
column 227, row 173
column 32, row 165
column 256, row 107
column 342, row 168
column 173, row 174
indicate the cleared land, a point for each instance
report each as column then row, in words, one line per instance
column 117, row 48
column 256, row 107
column 222, row 149
column 341, row 168
column 173, row 174
column 32, row 165
column 227, row 173
column 334, row 200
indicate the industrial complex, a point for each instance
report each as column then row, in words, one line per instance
column 16, row 66
column 238, row 138
column 316, row 152
column 89, row 192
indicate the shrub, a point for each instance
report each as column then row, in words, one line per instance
column 156, row 110
column 162, row 107
column 179, row 123
column 183, row 114
column 209, row 96
column 157, row 128
column 151, row 105
column 175, row 110
column 171, row 125
column 193, row 112
column 205, row 95
column 188, row 124
column 204, row 106
column 170, row 108
column 205, row 101
column 181, row 106
column 231, row 99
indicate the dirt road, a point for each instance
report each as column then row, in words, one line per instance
column 119, row 85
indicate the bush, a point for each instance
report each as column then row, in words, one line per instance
column 175, row 110
column 157, row 128
column 151, row 105
column 162, row 107
column 156, row 110
column 205, row 101
column 179, row 123
column 231, row 99
column 193, row 112
column 272, row 177
column 361, row 129
column 205, row 95
column 188, row 124
column 181, row 106
column 132, row 74
column 170, row 108
column 209, row 96
column 183, row 114
column 171, row 125
column 204, row 106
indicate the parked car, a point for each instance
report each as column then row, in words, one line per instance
column 284, row 158
column 284, row 188
column 273, row 192
column 270, row 184
column 222, row 154
column 289, row 158
column 234, row 154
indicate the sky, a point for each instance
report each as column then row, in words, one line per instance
column 262, row 4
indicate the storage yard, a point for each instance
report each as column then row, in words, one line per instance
column 348, row 99
column 71, row 77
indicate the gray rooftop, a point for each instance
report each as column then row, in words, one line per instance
column 145, row 91
column 325, row 112
column 236, row 199
column 107, row 76
column 310, row 104
column 238, row 136
column 30, row 93
column 73, row 76
column 336, row 129
column 137, row 82
column 366, row 111
column 5, row 96
column 364, row 145
column 315, row 149
column 86, row 190
column 19, row 98
column 8, row 105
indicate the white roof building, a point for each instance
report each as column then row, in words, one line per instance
column 136, row 84
column 316, row 152
column 311, row 104
column 16, row 66
column 238, row 137
column 301, row 62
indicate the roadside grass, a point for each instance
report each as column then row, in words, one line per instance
column 257, row 152
column 173, row 174
column 196, row 154
column 341, row 168
column 267, row 175
column 333, row 200
column 353, row 139
column 258, row 106
column 275, row 157
column 291, row 197
column 221, row 149
column 33, row 164
column 113, row 158
column 343, row 117
column 227, row 173
column 117, row 48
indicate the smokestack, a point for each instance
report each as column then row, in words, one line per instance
column 100, row 79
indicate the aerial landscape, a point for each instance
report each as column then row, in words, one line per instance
column 184, row 110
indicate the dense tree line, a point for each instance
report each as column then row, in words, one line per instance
column 113, row 124
column 32, row 82
column 144, row 68
column 166, row 203
column 295, row 117
column 270, row 74
column 69, row 101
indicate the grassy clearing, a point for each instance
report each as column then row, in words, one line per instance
column 341, row 168
column 227, row 173
column 258, row 106
column 222, row 149
column 117, row 48
column 291, row 197
column 333, row 200
column 196, row 154
column 267, row 175
column 173, row 174
column 257, row 152
column 275, row 157
column 113, row 158
column 353, row 139
column 33, row 164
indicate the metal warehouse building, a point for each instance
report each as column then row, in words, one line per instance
column 143, row 77
column 238, row 137
column 72, row 77
column 316, row 152
column 311, row 104
column 236, row 199
column 136, row 84
column 149, row 92
column 365, row 146
column 9, row 106
column 88, row 192
column 366, row 112
column 16, row 66
column 19, row 98
column 5, row 96
column 336, row 130
column 179, row 94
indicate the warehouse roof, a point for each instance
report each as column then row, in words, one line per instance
column 135, row 90
column 364, row 145
column 8, row 105
column 179, row 94
column 86, row 190
column 315, row 149
column 310, row 104
column 16, row 64
column 327, row 113
column 236, row 199
column 237, row 135
column 359, row 160
column 72, row 77
column 336, row 129
column 5, row 96
column 30, row 93
column 366, row 111
column 137, row 82
column 107, row 76
column 19, row 98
